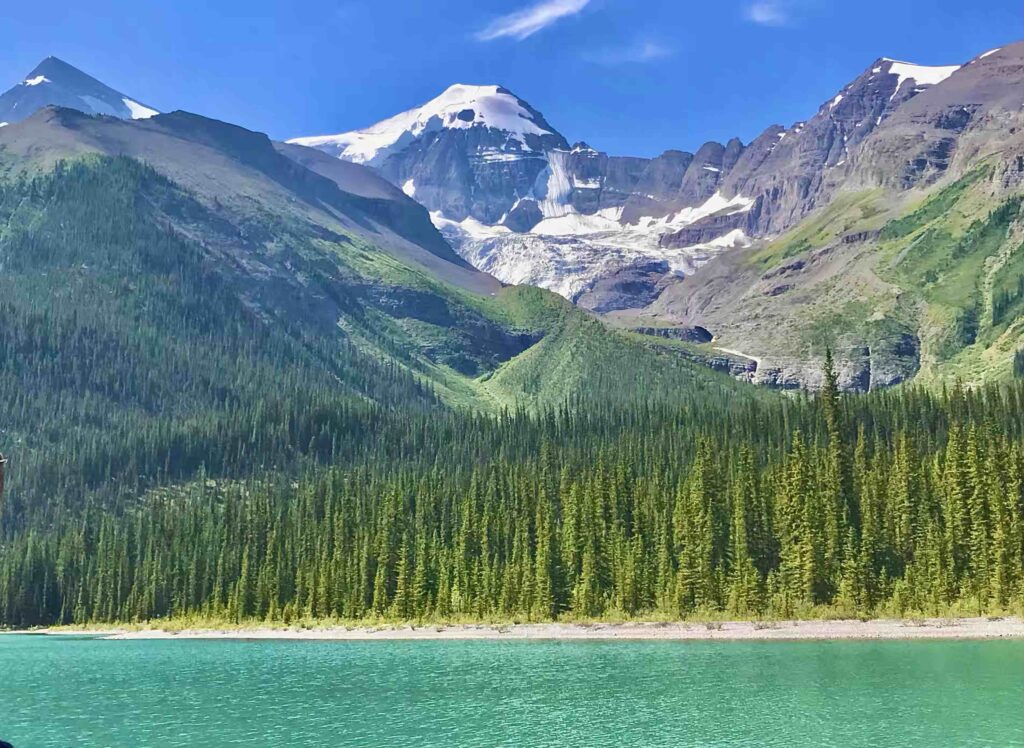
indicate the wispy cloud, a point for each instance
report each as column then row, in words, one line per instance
column 768, row 13
column 645, row 50
column 529, row 21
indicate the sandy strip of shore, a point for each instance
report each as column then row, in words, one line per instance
column 962, row 628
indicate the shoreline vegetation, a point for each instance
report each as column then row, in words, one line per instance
column 992, row 627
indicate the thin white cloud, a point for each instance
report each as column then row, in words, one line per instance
column 767, row 13
column 642, row 51
column 529, row 21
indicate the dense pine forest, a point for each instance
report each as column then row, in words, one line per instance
column 905, row 502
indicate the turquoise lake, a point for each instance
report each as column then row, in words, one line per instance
column 87, row 692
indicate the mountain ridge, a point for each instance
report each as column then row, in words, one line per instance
column 629, row 237
column 591, row 226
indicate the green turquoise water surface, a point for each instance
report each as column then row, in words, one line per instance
column 87, row 692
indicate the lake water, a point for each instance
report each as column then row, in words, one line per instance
column 86, row 692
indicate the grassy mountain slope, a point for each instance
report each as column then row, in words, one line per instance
column 921, row 284
column 960, row 252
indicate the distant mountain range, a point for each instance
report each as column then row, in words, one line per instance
column 606, row 231
column 775, row 247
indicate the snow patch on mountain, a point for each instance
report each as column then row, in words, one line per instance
column 459, row 107
column 470, row 227
column 922, row 75
column 493, row 155
column 578, row 223
column 555, row 186
column 36, row 81
column 138, row 111
column 717, row 203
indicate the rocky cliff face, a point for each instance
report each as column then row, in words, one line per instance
column 791, row 171
column 945, row 130
column 889, row 240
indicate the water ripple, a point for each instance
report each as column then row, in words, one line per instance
column 83, row 692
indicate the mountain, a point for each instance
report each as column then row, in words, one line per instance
column 667, row 241
column 53, row 82
column 468, row 152
column 518, row 201
column 904, row 253
column 609, row 232
column 301, row 241
column 181, row 294
column 249, row 381
column 773, row 249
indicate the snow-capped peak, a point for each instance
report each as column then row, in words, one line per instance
column 459, row 107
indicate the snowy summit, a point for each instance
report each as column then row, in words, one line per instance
column 460, row 107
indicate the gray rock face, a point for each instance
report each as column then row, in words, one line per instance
column 55, row 83
column 657, row 186
column 448, row 173
column 689, row 334
column 977, row 112
column 793, row 171
column 622, row 290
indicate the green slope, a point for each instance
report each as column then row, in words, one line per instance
column 145, row 335
column 924, row 285
column 958, row 256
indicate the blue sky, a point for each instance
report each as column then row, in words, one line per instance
column 633, row 77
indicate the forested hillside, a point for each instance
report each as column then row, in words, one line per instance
column 261, row 404
column 136, row 349
column 124, row 357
